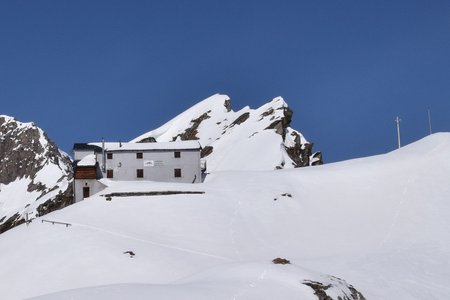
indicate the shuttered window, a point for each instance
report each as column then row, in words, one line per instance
column 109, row 173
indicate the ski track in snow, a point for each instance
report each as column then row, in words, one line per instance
column 152, row 243
column 233, row 220
column 401, row 202
column 231, row 228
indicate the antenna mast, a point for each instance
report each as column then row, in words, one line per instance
column 398, row 120
column 429, row 120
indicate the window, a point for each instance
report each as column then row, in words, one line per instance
column 109, row 173
column 139, row 155
column 86, row 192
column 177, row 172
column 109, row 155
column 177, row 154
column 140, row 173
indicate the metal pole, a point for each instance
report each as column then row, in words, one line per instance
column 103, row 156
column 398, row 120
column 429, row 120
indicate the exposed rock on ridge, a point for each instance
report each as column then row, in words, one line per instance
column 248, row 139
column 320, row 289
column 35, row 175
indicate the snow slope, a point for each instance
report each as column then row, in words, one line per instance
column 248, row 139
column 379, row 223
column 232, row 281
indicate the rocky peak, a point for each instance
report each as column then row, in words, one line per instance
column 23, row 148
column 230, row 139
column 33, row 172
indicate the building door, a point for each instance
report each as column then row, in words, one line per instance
column 86, row 192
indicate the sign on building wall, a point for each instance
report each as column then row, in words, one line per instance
column 149, row 163
column 153, row 163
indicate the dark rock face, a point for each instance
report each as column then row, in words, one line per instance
column 17, row 151
column 317, row 159
column 227, row 105
column 281, row 125
column 25, row 150
column 320, row 290
column 299, row 153
column 281, row 261
column 241, row 119
column 191, row 132
column 11, row 222
column 22, row 152
column 207, row 150
column 60, row 201
column 266, row 113
column 148, row 140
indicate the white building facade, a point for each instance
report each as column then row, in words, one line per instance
column 168, row 162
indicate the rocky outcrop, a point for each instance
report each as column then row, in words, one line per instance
column 61, row 200
column 35, row 176
column 282, row 123
column 300, row 152
column 321, row 289
column 191, row 132
column 207, row 150
column 241, row 119
column 148, row 140
column 11, row 222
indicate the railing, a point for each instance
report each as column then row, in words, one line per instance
column 55, row 222
column 154, row 193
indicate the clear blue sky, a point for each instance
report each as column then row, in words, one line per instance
column 86, row 69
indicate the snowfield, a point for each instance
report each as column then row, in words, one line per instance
column 380, row 224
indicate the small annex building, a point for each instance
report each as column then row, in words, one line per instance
column 168, row 162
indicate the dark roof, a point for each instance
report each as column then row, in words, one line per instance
column 86, row 146
column 74, row 163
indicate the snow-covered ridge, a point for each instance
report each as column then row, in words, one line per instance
column 20, row 125
column 35, row 175
column 248, row 139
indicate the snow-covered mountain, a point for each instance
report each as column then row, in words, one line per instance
column 379, row 223
column 232, row 140
column 35, row 175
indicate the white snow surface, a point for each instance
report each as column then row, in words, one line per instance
column 118, row 146
column 380, row 223
column 14, row 196
column 243, row 280
column 88, row 161
column 245, row 146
